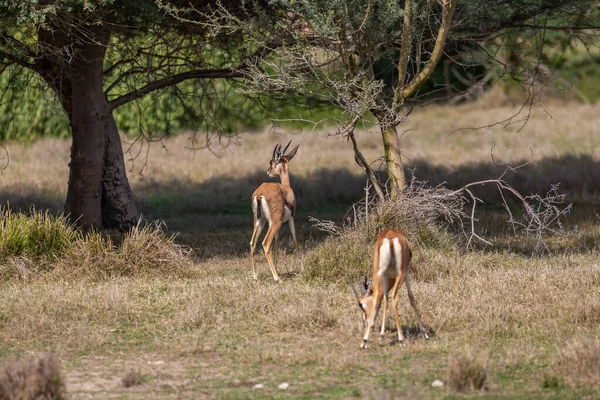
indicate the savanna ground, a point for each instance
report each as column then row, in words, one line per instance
column 205, row 329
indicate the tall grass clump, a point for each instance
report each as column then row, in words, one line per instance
column 32, row 378
column 145, row 250
column 34, row 242
column 467, row 371
column 35, row 234
column 579, row 362
column 426, row 215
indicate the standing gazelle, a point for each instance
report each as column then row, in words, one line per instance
column 274, row 203
column 391, row 261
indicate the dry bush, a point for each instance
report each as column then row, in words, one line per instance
column 467, row 371
column 579, row 362
column 32, row 378
column 426, row 215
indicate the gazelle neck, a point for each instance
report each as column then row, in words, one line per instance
column 284, row 175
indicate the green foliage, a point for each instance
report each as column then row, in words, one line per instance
column 28, row 110
column 35, row 235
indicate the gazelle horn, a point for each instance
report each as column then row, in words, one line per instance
column 365, row 285
column 353, row 289
column 276, row 152
column 286, row 147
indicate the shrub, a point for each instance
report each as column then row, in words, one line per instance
column 467, row 372
column 425, row 216
column 32, row 378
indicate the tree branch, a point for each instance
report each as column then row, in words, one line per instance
column 404, row 54
column 448, row 8
column 173, row 80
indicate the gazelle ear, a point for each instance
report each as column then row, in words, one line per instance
column 291, row 154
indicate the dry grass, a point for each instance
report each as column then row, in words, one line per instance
column 467, row 371
column 43, row 245
column 32, row 378
column 579, row 362
column 200, row 327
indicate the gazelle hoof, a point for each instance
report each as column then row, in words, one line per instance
column 363, row 345
column 401, row 343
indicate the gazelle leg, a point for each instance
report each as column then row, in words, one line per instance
column 413, row 303
column 275, row 248
column 276, row 251
column 273, row 229
column 385, row 304
column 395, row 290
column 371, row 318
column 258, row 227
column 293, row 230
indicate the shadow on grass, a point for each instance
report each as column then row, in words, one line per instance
column 215, row 218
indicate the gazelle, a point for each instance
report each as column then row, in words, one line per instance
column 391, row 261
column 274, row 203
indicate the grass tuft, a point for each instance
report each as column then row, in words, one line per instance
column 467, row 371
column 145, row 251
column 38, row 243
column 133, row 378
column 32, row 378
column 579, row 362
column 35, row 235
column 553, row 382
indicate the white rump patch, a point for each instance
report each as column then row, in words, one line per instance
column 265, row 209
column 385, row 257
column 287, row 213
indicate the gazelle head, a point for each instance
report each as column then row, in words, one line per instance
column 280, row 159
column 366, row 301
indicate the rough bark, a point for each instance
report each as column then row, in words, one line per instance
column 393, row 159
column 118, row 208
column 89, row 122
column 99, row 195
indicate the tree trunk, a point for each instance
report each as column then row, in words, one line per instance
column 99, row 195
column 393, row 160
column 118, row 208
column 89, row 122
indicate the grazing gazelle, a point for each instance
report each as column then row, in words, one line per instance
column 274, row 203
column 391, row 260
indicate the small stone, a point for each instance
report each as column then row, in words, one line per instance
column 437, row 383
column 259, row 386
column 284, row 385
